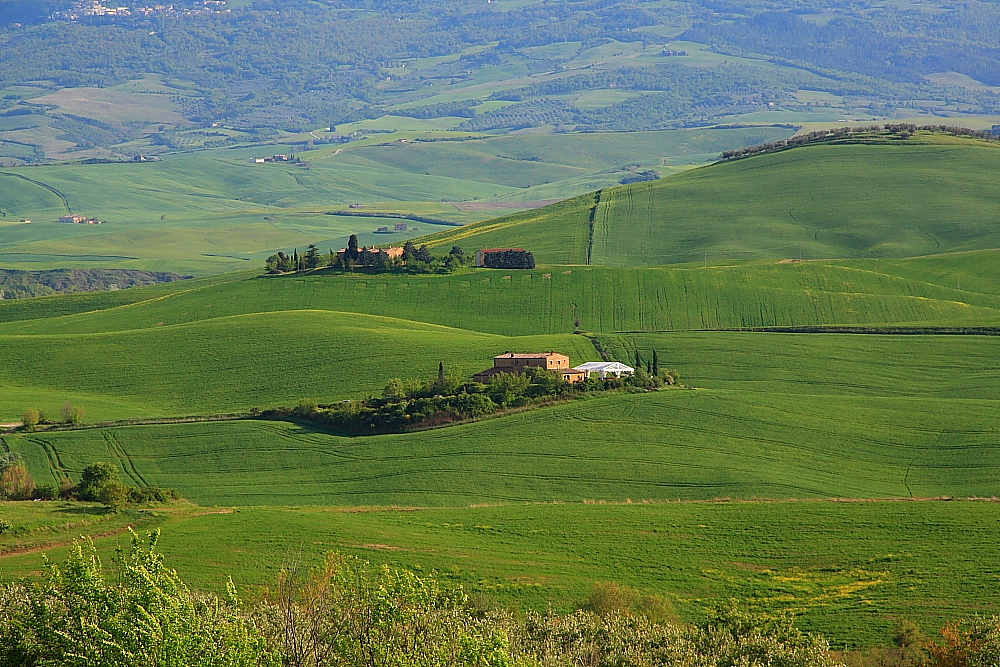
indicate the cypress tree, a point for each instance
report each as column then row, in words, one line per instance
column 441, row 379
column 656, row 364
column 638, row 360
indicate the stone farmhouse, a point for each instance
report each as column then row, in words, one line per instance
column 514, row 363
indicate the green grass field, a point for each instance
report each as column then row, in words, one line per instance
column 667, row 445
column 772, row 416
column 925, row 196
column 549, row 300
column 848, row 570
column 234, row 363
column 215, row 211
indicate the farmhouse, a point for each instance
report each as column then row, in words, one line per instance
column 603, row 369
column 514, row 363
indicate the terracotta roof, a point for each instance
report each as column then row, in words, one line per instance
column 528, row 355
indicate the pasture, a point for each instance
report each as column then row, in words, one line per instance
column 848, row 570
column 923, row 196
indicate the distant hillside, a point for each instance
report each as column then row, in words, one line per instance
column 25, row 284
column 928, row 194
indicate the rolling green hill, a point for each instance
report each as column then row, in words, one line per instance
column 216, row 211
column 668, row 445
column 926, row 195
column 233, row 363
column 548, row 301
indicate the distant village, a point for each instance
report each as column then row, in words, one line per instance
column 93, row 8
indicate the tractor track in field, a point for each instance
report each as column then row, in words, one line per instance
column 52, row 454
column 118, row 451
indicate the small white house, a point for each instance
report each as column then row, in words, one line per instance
column 605, row 368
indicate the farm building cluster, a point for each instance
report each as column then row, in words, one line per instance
column 74, row 219
column 514, row 363
column 398, row 227
column 273, row 158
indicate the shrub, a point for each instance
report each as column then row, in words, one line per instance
column 44, row 492
column 968, row 644
column 147, row 617
column 113, row 495
column 151, row 494
column 306, row 406
column 348, row 613
column 31, row 418
column 608, row 598
column 77, row 415
column 509, row 259
column 94, row 478
column 16, row 483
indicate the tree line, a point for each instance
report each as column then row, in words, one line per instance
column 413, row 260
column 99, row 482
column 409, row 405
column 867, row 134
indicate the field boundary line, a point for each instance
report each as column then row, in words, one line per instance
column 591, row 222
column 839, row 329
column 57, row 193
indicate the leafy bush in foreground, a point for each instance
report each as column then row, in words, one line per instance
column 348, row 613
column 145, row 616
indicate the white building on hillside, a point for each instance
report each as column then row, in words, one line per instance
column 605, row 368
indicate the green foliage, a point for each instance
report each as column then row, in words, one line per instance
column 100, row 482
column 349, row 613
column 607, row 598
column 147, row 617
column 31, row 418
column 24, row 284
column 15, row 481
column 343, row 613
column 95, row 476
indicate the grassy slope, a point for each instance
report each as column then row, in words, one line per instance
column 667, row 445
column 821, row 201
column 548, row 301
column 205, row 212
column 234, row 363
column 848, row 570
